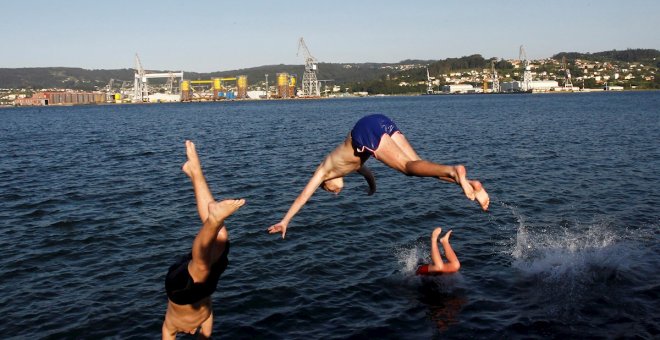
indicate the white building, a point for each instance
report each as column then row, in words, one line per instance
column 535, row 86
column 458, row 88
column 164, row 98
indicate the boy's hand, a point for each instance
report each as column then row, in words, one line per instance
column 279, row 227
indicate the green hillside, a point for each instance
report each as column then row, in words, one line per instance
column 371, row 77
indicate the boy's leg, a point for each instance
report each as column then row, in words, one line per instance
column 193, row 168
column 452, row 264
column 212, row 236
column 437, row 265
column 405, row 146
column 480, row 194
column 390, row 153
column 204, row 243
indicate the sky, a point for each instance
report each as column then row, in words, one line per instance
column 208, row 36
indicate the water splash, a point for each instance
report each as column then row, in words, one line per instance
column 409, row 257
column 576, row 255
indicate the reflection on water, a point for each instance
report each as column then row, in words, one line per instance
column 444, row 302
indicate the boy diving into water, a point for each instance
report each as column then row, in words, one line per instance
column 437, row 266
column 377, row 135
column 191, row 281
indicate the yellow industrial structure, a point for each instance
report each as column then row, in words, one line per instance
column 209, row 89
column 241, row 87
column 286, row 85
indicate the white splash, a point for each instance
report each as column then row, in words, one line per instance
column 559, row 252
column 409, row 258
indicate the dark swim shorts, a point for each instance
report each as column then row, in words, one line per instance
column 181, row 288
column 368, row 130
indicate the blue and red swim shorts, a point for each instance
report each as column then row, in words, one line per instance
column 368, row 130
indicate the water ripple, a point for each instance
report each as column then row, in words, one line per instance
column 94, row 207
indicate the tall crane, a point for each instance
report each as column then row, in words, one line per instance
column 140, row 91
column 495, row 79
column 527, row 70
column 568, row 84
column 429, row 82
column 310, row 83
column 108, row 87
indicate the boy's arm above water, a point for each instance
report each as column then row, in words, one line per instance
column 300, row 201
column 369, row 176
column 336, row 165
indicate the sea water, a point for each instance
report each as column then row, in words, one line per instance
column 94, row 208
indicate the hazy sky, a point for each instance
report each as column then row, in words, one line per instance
column 205, row 36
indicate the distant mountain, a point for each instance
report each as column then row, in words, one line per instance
column 82, row 79
column 629, row 55
column 60, row 77
column 339, row 73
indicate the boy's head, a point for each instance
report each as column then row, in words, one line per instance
column 333, row 185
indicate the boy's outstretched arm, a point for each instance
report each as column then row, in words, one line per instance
column 300, row 201
column 369, row 176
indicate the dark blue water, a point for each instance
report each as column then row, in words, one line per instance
column 94, row 208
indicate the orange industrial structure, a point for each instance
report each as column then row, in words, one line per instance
column 61, row 98
column 286, row 85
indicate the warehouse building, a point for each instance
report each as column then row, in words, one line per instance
column 61, row 98
column 458, row 88
column 535, row 86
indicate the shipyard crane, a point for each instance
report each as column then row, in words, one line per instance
column 325, row 85
column 310, row 83
column 495, row 79
column 527, row 70
column 568, row 84
column 141, row 86
column 108, row 87
column 429, row 82
column 140, row 91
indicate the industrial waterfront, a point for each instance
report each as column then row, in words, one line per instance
column 496, row 76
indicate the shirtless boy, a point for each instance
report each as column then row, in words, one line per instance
column 376, row 135
column 191, row 281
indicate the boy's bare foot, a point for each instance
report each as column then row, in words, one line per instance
column 461, row 175
column 436, row 232
column 445, row 239
column 191, row 166
column 480, row 194
column 219, row 211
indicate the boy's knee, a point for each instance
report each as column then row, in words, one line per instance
column 407, row 168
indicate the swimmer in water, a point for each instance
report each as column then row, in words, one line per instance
column 191, row 281
column 376, row 135
column 438, row 267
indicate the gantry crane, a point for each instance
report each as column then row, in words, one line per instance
column 140, row 84
column 310, row 83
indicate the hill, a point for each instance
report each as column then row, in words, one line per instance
column 378, row 77
column 629, row 55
